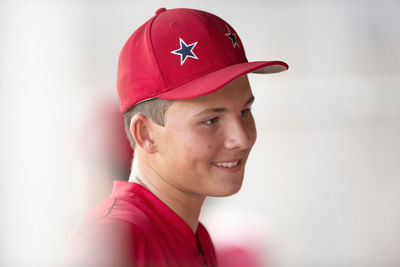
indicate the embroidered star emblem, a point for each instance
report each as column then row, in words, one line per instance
column 185, row 51
column 232, row 36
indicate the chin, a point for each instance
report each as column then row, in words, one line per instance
column 226, row 190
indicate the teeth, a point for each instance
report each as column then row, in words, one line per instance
column 226, row 164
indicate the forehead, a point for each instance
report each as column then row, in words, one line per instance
column 236, row 93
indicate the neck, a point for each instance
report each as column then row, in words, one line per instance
column 187, row 206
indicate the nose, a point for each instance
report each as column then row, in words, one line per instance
column 240, row 135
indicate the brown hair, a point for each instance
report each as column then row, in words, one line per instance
column 154, row 109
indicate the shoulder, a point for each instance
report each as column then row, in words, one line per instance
column 125, row 216
column 118, row 211
column 112, row 234
column 105, row 243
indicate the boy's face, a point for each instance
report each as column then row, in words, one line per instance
column 204, row 144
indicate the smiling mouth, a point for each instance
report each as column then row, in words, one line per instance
column 226, row 164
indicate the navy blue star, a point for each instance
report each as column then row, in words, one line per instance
column 232, row 36
column 185, row 51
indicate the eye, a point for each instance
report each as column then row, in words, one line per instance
column 211, row 121
column 245, row 111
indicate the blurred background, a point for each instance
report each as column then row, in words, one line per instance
column 322, row 186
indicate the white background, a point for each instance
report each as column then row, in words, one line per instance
column 322, row 186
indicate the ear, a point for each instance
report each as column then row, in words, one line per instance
column 141, row 131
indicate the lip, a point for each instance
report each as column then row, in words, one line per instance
column 232, row 169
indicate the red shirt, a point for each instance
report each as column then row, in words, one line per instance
column 134, row 228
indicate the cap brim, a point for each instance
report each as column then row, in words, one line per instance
column 213, row 81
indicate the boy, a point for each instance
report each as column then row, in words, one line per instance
column 186, row 100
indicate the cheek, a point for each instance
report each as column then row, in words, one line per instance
column 201, row 144
column 254, row 133
column 251, row 130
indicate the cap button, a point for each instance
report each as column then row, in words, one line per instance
column 160, row 10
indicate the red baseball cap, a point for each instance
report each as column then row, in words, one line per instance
column 182, row 53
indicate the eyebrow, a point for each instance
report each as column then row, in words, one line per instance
column 250, row 101
column 219, row 110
